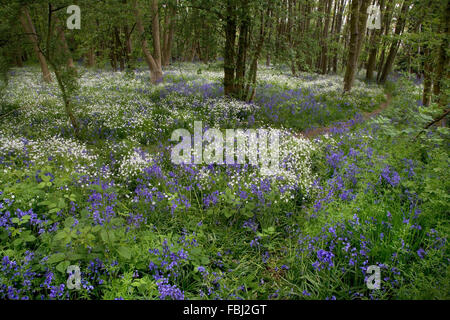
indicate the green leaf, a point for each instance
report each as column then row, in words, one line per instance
column 104, row 236
column 61, row 203
column 248, row 213
column 69, row 222
column 62, row 266
column 29, row 238
column 54, row 210
column 96, row 187
column 57, row 257
column 228, row 213
column 125, row 252
column 60, row 235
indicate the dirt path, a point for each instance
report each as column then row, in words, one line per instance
column 310, row 134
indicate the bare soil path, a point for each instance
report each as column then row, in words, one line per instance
column 310, row 134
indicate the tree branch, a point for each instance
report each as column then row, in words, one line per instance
column 433, row 122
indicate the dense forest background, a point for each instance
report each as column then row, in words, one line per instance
column 326, row 36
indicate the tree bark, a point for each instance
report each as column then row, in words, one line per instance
column 18, row 56
column 324, row 55
column 338, row 28
column 62, row 38
column 362, row 26
column 374, row 47
column 156, row 39
column 230, row 39
column 442, row 73
column 428, row 82
column 241, row 58
column 250, row 89
column 395, row 44
column 28, row 26
column 91, row 58
column 154, row 64
column 168, row 38
column 353, row 47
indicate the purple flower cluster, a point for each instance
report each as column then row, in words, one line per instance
column 390, row 176
column 324, row 259
column 167, row 262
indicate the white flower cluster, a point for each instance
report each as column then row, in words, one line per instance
column 134, row 163
column 40, row 150
column 293, row 172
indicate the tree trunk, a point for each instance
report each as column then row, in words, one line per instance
column 250, row 89
column 241, row 58
column 119, row 50
column 373, row 45
column 154, row 64
column 91, row 58
column 362, row 27
column 168, row 37
column 441, row 67
column 18, row 56
column 428, row 82
column 395, row 44
column 319, row 31
column 28, row 26
column 338, row 28
column 156, row 41
column 230, row 39
column 62, row 38
column 324, row 55
column 353, row 47
column 387, row 19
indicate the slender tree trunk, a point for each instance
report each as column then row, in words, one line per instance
column 168, row 37
column 321, row 9
column 153, row 63
column 395, row 44
column 333, row 32
column 18, row 56
column 128, row 46
column 324, row 55
column 119, row 49
column 442, row 73
column 353, row 47
column 230, row 39
column 387, row 18
column 91, row 57
column 28, row 26
column 306, row 31
column 251, row 83
column 62, row 38
column 156, row 41
column 113, row 52
column 373, row 45
column 339, row 17
column 428, row 82
column 362, row 24
column 241, row 58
